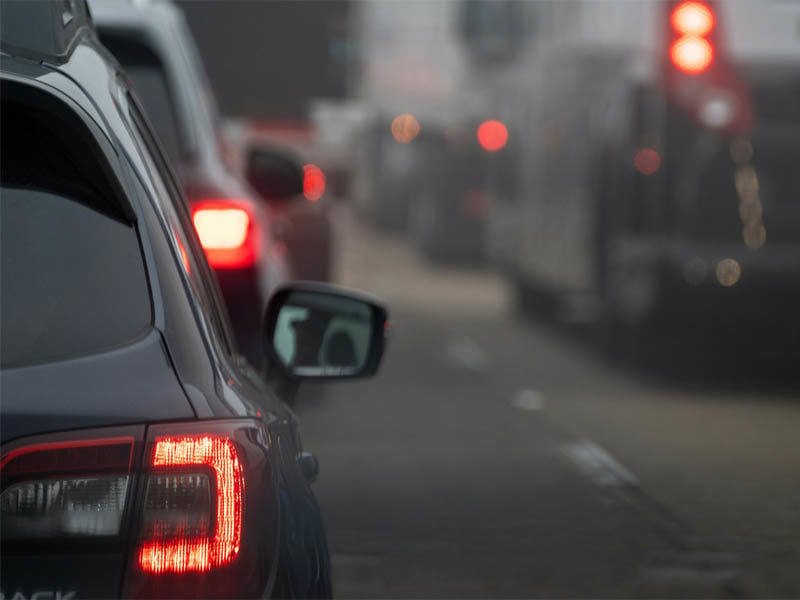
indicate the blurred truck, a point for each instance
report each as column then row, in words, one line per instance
column 660, row 141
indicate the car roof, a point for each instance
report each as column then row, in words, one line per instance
column 161, row 24
column 59, row 28
column 77, row 72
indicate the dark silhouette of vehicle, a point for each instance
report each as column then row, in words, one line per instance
column 654, row 150
column 142, row 455
column 156, row 50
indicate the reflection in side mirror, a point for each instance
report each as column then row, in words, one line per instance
column 273, row 175
column 319, row 331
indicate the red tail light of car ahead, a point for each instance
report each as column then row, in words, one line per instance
column 228, row 233
column 313, row 182
column 193, row 505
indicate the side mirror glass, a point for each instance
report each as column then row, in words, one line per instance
column 274, row 175
column 320, row 331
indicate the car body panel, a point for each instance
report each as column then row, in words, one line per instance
column 201, row 166
column 149, row 380
column 55, row 396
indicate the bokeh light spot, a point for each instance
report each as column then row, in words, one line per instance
column 754, row 235
column 693, row 18
column 313, row 182
column 492, row 135
column 692, row 54
column 405, row 128
column 647, row 161
column 728, row 272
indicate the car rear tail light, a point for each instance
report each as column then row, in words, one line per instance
column 227, row 232
column 207, row 516
column 63, row 489
column 313, row 182
column 193, row 505
column 222, row 228
column 59, row 507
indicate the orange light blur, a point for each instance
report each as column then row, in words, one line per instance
column 728, row 272
column 693, row 18
column 692, row 54
column 181, row 555
column 405, row 128
column 184, row 256
column 313, row 182
column 647, row 161
column 492, row 135
column 226, row 232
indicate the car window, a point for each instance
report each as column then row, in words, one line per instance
column 193, row 260
column 72, row 276
column 72, row 281
column 148, row 74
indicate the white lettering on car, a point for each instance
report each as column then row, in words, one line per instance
column 40, row 595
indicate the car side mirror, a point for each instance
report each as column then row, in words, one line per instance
column 273, row 174
column 318, row 331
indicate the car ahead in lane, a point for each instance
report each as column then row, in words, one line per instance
column 141, row 455
column 265, row 154
column 156, row 50
column 459, row 170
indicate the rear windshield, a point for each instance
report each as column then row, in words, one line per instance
column 72, row 279
column 150, row 82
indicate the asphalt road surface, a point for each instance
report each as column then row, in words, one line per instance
column 495, row 456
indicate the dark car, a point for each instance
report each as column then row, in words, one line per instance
column 141, row 455
column 261, row 152
column 453, row 188
column 236, row 229
column 438, row 184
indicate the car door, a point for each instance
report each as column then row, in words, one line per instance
column 304, row 567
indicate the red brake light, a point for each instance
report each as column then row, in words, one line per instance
column 221, row 228
column 313, row 182
column 227, row 233
column 692, row 50
column 492, row 135
column 183, row 548
column 179, row 492
column 693, row 18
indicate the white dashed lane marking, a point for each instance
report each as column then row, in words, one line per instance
column 528, row 400
column 598, row 465
column 465, row 353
